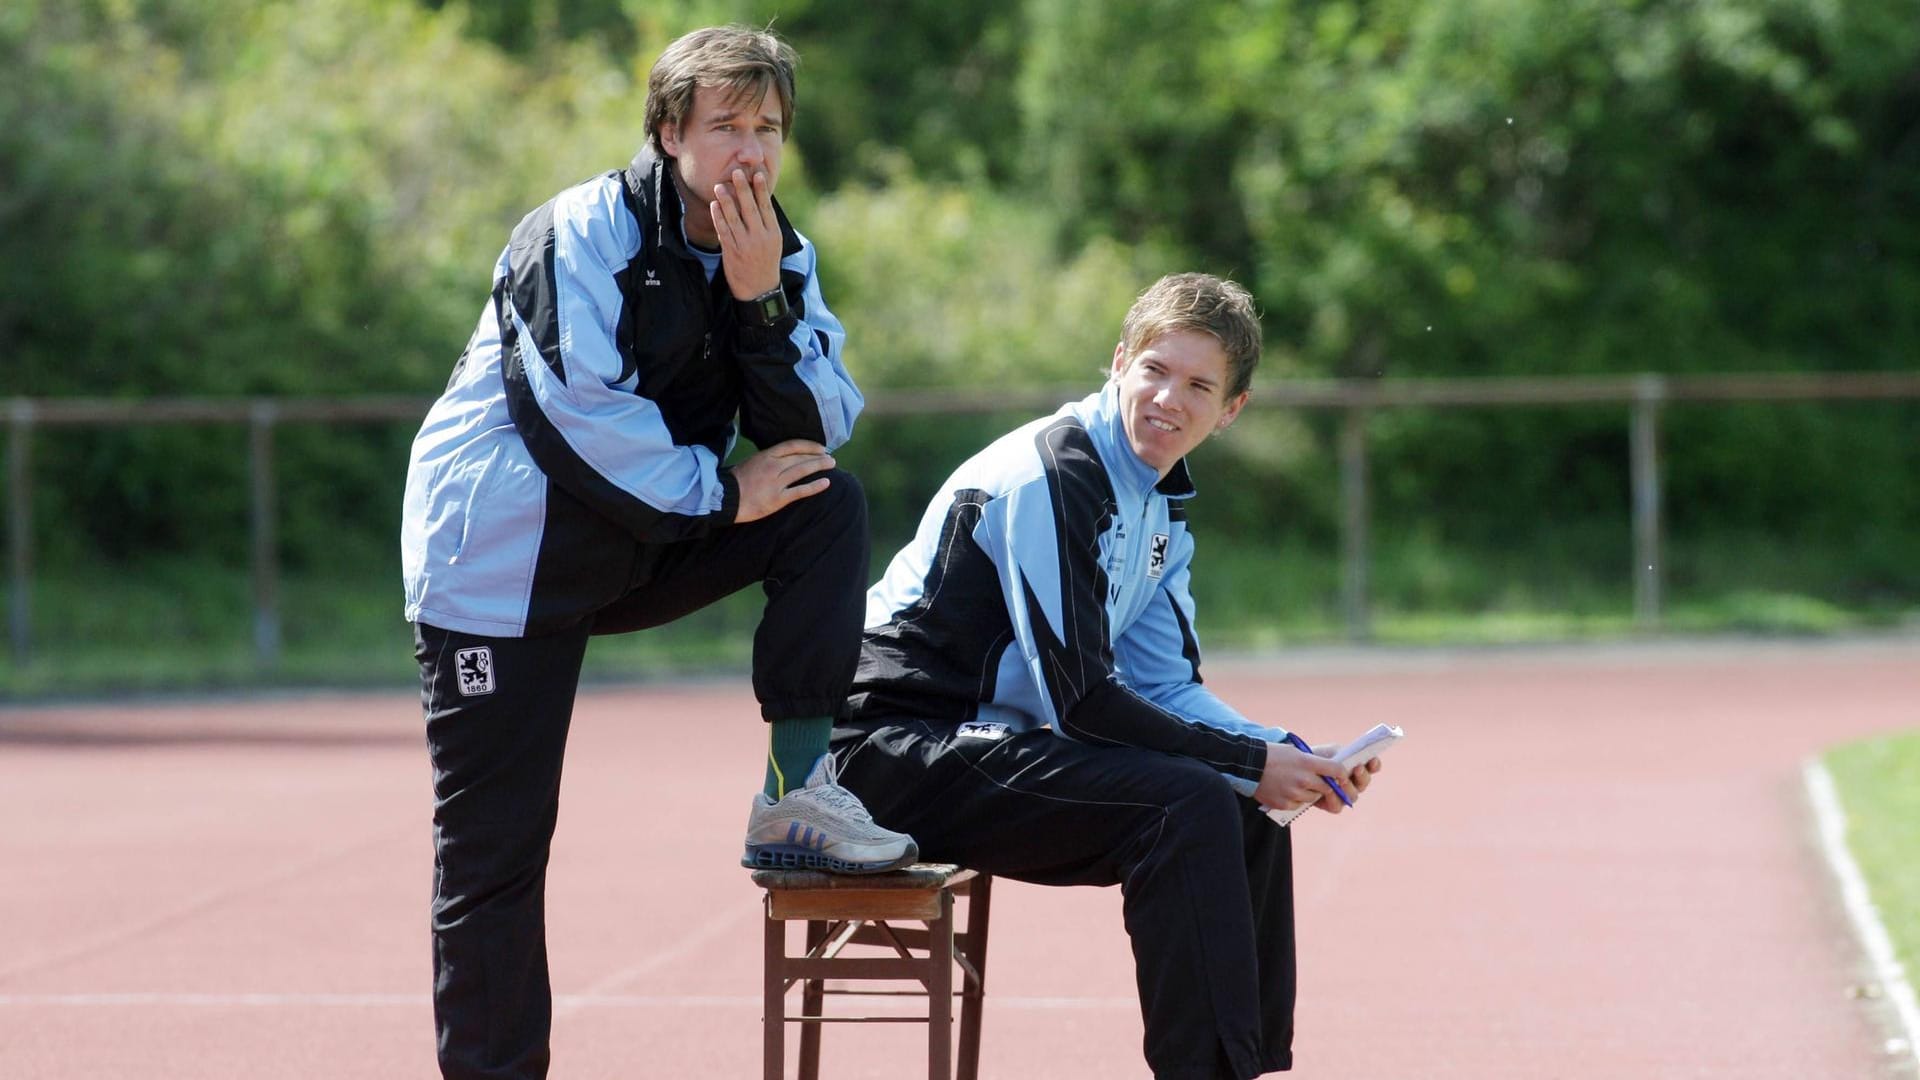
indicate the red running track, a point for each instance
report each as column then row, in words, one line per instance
column 1580, row 865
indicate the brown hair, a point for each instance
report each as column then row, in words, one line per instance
column 743, row 61
column 1211, row 305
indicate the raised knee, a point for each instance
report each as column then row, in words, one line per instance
column 849, row 498
column 842, row 506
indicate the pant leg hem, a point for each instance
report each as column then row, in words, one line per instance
column 1197, row 1071
column 795, row 708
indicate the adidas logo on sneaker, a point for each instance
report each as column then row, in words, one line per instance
column 822, row 826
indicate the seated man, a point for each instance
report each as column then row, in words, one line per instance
column 1028, row 700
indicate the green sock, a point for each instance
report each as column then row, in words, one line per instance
column 793, row 745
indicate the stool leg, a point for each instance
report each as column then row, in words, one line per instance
column 774, row 1005
column 812, row 1000
column 940, row 992
column 973, row 995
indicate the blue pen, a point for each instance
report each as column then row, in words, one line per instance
column 1301, row 744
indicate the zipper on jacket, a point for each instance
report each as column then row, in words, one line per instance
column 1125, row 581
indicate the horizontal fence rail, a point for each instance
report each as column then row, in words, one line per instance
column 1643, row 395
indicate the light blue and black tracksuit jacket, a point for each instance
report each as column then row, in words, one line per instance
column 594, row 405
column 1048, row 585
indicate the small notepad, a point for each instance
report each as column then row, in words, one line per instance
column 1356, row 753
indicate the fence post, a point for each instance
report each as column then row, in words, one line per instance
column 1353, row 522
column 20, row 527
column 1648, row 393
column 266, row 560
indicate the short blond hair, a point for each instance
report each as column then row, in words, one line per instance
column 738, row 59
column 1202, row 302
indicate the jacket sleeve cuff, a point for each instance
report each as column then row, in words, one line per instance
column 769, row 343
column 729, row 498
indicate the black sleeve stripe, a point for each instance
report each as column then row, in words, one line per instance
column 1189, row 645
column 939, row 656
column 530, row 278
column 1062, row 689
column 1082, row 498
column 1113, row 715
column 956, row 530
column 1089, row 703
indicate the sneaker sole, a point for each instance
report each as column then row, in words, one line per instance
column 793, row 857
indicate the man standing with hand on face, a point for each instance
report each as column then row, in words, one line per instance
column 569, row 482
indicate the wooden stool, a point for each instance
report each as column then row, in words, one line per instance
column 842, row 910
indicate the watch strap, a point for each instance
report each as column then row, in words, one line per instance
column 767, row 309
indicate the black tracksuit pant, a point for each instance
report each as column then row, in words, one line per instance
column 497, row 730
column 1207, row 881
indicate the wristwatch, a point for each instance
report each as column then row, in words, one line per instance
column 767, row 309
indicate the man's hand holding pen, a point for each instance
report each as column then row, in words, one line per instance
column 1299, row 774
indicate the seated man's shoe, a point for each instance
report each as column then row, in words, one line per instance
column 822, row 826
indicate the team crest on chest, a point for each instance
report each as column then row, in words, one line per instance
column 1157, row 555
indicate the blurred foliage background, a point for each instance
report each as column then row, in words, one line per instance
column 241, row 197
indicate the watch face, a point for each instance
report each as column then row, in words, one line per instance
column 765, row 310
column 769, row 309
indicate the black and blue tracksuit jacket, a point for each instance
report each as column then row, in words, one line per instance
column 594, row 405
column 1048, row 585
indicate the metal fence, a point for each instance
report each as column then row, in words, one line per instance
column 1642, row 396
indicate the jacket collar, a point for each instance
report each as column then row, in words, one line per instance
column 1131, row 478
column 646, row 176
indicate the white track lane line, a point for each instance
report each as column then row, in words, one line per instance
column 421, row 1001
column 689, row 943
column 1832, row 820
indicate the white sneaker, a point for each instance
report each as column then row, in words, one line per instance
column 822, row 826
